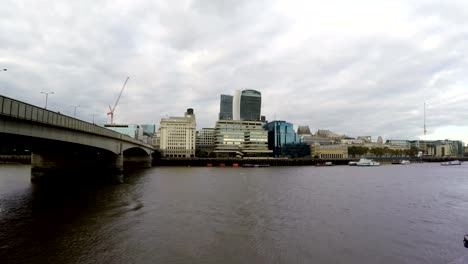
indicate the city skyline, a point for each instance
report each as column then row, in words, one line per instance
column 335, row 65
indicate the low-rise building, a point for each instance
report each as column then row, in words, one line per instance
column 205, row 140
column 439, row 148
column 240, row 138
column 335, row 151
column 351, row 141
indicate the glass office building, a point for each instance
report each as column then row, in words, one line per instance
column 244, row 105
column 149, row 129
column 225, row 108
column 134, row 131
column 281, row 136
column 250, row 105
column 237, row 138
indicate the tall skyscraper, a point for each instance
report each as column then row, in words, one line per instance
column 244, row 105
column 225, row 108
column 250, row 104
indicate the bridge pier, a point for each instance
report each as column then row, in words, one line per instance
column 139, row 161
column 76, row 166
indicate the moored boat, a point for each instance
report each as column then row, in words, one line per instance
column 255, row 165
column 450, row 163
column 363, row 162
column 327, row 163
column 401, row 162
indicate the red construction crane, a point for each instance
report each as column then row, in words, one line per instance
column 112, row 109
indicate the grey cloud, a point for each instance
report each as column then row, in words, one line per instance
column 182, row 54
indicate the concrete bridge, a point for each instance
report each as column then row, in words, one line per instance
column 63, row 146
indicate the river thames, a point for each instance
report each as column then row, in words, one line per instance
column 388, row 214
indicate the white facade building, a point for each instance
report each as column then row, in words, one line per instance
column 177, row 136
column 236, row 105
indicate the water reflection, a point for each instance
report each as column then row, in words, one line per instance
column 390, row 214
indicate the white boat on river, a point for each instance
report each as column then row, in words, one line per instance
column 367, row 162
column 450, row 163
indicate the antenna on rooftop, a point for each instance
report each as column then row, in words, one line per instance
column 425, row 131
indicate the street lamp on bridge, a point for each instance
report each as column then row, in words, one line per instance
column 74, row 111
column 46, row 97
column 93, row 115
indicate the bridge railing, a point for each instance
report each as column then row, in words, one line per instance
column 17, row 109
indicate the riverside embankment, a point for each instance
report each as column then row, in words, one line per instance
column 203, row 162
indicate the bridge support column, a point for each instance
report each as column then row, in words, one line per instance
column 139, row 161
column 74, row 166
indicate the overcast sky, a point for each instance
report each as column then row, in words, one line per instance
column 354, row 67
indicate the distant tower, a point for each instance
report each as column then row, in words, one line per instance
column 225, row 107
column 425, row 131
column 379, row 140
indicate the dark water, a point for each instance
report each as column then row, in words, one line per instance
column 387, row 214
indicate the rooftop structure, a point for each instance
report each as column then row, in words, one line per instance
column 301, row 130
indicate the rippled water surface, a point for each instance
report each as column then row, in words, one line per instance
column 387, row 214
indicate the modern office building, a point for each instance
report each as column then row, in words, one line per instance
column 225, row 108
column 439, row 148
column 250, row 105
column 177, row 136
column 237, row 138
column 205, row 140
column 244, row 105
column 281, row 134
column 149, row 129
column 148, row 132
column 134, row 131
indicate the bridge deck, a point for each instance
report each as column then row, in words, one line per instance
column 20, row 110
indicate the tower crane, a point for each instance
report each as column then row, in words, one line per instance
column 112, row 109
